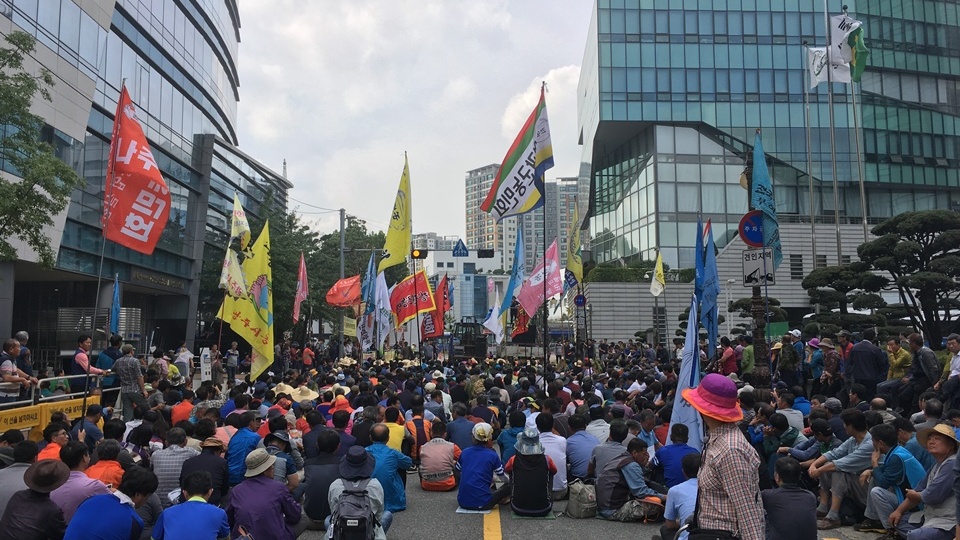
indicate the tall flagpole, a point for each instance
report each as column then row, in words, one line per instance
column 806, row 102
column 546, row 308
column 833, row 137
column 856, row 136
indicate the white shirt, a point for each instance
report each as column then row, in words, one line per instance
column 955, row 365
column 555, row 447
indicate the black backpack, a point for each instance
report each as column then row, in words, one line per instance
column 353, row 518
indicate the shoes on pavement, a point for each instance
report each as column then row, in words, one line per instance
column 890, row 534
column 824, row 524
column 821, row 515
column 870, row 525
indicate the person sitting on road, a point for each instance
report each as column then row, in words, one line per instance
column 532, row 476
column 681, row 498
column 790, row 509
column 438, row 461
column 478, row 464
column 621, row 487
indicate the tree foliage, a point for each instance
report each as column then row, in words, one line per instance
column 46, row 182
column 836, row 289
column 634, row 272
column 921, row 252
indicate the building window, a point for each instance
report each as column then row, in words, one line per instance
column 844, row 260
column 821, row 261
column 796, row 267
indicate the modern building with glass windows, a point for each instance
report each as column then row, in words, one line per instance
column 672, row 93
column 178, row 59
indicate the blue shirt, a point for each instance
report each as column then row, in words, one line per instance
column 802, row 404
column 669, row 457
column 648, row 437
column 242, row 443
column 385, row 471
column 477, row 466
column 508, row 441
column 460, row 432
column 681, row 502
column 580, row 447
column 195, row 518
column 104, row 517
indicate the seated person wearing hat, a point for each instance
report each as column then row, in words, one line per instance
column 212, row 462
column 478, row 464
column 621, row 488
column 938, row 518
column 285, row 471
column 261, row 505
column 531, row 476
column 356, row 470
column 31, row 514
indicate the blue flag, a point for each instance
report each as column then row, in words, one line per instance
column 711, row 291
column 368, row 289
column 698, row 280
column 516, row 274
column 683, row 412
column 761, row 198
column 115, row 307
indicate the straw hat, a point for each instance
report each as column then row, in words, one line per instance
column 777, row 346
column 716, row 397
column 212, row 442
column 939, row 429
column 826, row 342
column 258, row 461
column 284, row 388
column 305, row 393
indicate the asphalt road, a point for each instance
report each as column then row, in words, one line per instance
column 432, row 516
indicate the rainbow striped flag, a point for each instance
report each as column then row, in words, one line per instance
column 518, row 186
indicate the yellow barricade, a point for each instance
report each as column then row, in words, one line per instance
column 20, row 418
column 73, row 408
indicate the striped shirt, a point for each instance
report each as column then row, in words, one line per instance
column 729, row 485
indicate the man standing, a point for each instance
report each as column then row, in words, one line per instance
column 233, row 360
column 12, row 377
column 168, row 462
column 949, row 383
column 924, row 370
column 81, row 365
column 132, row 392
column 105, row 361
column 867, row 365
column 390, row 464
column 729, row 477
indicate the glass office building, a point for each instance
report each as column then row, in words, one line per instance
column 671, row 93
column 178, row 60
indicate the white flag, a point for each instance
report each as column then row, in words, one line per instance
column 493, row 323
column 383, row 311
column 817, row 66
column 840, row 28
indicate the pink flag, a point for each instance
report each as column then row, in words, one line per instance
column 302, row 289
column 532, row 294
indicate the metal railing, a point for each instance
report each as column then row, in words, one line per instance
column 36, row 398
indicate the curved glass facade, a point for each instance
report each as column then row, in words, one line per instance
column 671, row 97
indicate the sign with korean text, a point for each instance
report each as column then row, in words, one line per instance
column 136, row 201
column 757, row 267
column 73, row 408
column 20, row 418
column 751, row 228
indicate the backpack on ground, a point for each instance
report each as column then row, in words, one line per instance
column 583, row 501
column 353, row 518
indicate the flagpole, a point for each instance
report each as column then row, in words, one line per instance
column 856, row 136
column 833, row 136
column 806, row 102
column 546, row 308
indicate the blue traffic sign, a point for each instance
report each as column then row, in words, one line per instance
column 751, row 228
column 460, row 250
column 580, row 300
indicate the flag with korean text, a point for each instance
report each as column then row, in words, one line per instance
column 136, row 202
column 657, row 281
column 231, row 276
column 762, row 199
column 412, row 296
column 534, row 294
column 841, row 26
column 518, row 186
column 396, row 247
column 252, row 317
column 433, row 322
column 302, row 289
column 239, row 226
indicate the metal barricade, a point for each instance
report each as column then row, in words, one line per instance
column 23, row 402
column 68, row 395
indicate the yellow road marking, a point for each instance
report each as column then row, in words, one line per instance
column 491, row 525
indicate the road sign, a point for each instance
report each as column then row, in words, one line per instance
column 751, row 228
column 755, row 272
column 460, row 250
column 580, row 300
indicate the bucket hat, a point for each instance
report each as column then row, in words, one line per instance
column 357, row 463
column 528, row 443
column 716, row 397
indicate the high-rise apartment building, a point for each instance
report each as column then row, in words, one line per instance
column 672, row 93
column 179, row 62
column 483, row 231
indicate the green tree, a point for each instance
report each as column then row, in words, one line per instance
column 842, row 287
column 921, row 252
column 46, row 182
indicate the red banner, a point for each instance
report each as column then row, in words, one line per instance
column 345, row 292
column 302, row 289
column 521, row 322
column 433, row 323
column 412, row 296
column 136, row 202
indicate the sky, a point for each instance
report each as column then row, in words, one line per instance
column 342, row 89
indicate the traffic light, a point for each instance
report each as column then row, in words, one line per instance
column 484, row 253
column 418, row 254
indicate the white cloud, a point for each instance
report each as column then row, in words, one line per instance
column 342, row 89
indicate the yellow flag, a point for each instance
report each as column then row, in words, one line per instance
column 231, row 277
column 349, row 326
column 658, row 283
column 397, row 245
column 574, row 258
column 239, row 226
column 252, row 317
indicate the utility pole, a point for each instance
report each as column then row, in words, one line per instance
column 343, row 223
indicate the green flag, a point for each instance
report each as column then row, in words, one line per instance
column 859, row 54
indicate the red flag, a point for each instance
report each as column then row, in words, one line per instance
column 136, row 202
column 412, row 296
column 345, row 292
column 302, row 289
column 532, row 295
column 520, row 323
column 433, row 323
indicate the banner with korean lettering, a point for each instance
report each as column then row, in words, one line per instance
column 412, row 296
column 534, row 293
column 136, row 203
column 433, row 323
column 302, row 289
column 518, row 186
column 252, row 317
